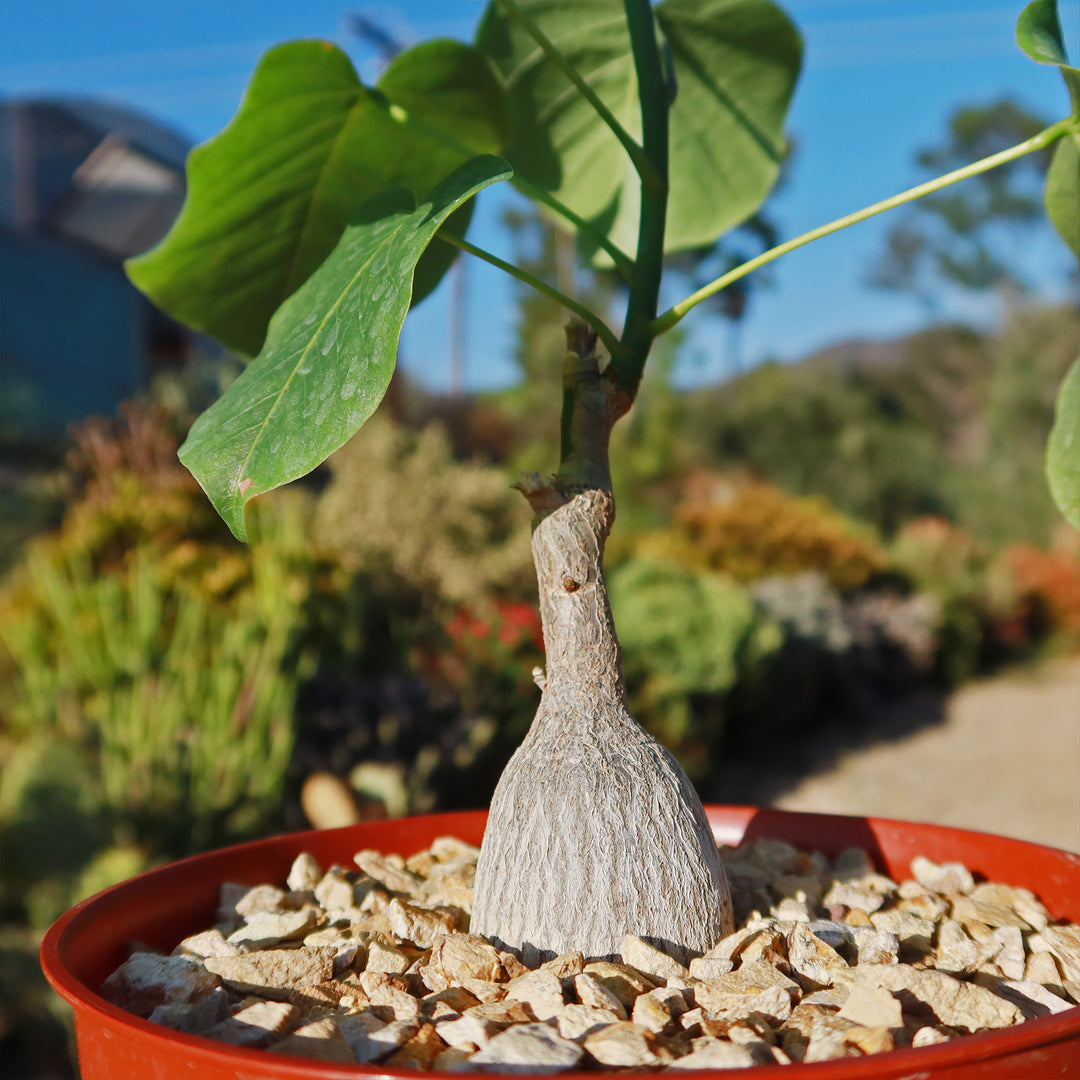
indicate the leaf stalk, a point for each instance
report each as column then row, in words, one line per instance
column 1044, row 138
column 603, row 331
column 623, row 263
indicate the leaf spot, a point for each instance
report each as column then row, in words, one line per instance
column 243, row 485
column 331, row 337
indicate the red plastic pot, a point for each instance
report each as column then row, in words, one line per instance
column 162, row 906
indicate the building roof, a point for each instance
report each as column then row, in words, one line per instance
column 96, row 174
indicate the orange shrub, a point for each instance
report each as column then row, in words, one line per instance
column 751, row 530
column 1049, row 580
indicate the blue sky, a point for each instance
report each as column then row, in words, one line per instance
column 879, row 79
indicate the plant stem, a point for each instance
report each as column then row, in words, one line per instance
column 641, row 161
column 603, row 331
column 623, row 263
column 1037, row 142
column 638, row 334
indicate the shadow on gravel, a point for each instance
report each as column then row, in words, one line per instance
column 757, row 769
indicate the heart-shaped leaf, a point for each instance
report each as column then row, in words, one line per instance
column 1063, row 449
column 329, row 353
column 1038, row 33
column 735, row 64
column 1063, row 191
column 269, row 197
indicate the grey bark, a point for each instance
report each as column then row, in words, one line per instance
column 595, row 830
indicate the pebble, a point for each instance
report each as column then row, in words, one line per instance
column 711, row 1053
column 147, row 980
column 321, row 1039
column 536, row 1047
column 257, row 1024
column 265, row 929
column 270, row 969
column 872, row 1006
column 649, row 959
column 624, row 1044
column 372, row 1039
column 375, row 965
column 576, row 1021
column 541, row 990
column 592, row 992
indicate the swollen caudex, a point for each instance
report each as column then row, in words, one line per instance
column 591, row 811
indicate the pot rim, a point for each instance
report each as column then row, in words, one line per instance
column 730, row 824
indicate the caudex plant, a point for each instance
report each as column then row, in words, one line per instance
column 327, row 207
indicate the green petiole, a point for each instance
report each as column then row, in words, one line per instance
column 603, row 331
column 1045, row 137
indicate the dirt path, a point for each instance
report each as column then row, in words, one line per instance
column 1005, row 759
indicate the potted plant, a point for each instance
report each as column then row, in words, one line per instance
column 326, row 208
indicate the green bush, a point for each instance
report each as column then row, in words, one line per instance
column 688, row 637
column 400, row 501
column 137, row 710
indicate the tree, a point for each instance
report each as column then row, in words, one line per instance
column 326, row 207
column 967, row 236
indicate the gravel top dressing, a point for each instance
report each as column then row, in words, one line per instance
column 374, row 964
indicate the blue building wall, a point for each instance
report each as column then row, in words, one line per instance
column 71, row 335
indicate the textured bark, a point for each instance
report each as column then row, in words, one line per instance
column 595, row 830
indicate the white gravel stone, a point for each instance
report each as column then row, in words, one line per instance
column 876, row 946
column 709, row 967
column 542, row 991
column 872, row 1006
column 624, row 1045
column 818, row 964
column 929, row 1036
column 943, row 878
column 961, row 1005
column 385, row 870
column 649, row 959
column 1010, row 957
column 576, row 1021
column 388, row 959
column 468, row 1031
column 146, row 980
column 320, row 1039
column 271, row 970
column 1032, row 999
column 459, row 957
column 258, row 1024
column 194, row 1018
column 373, row 1040
column 1063, row 943
column 913, row 932
column 533, row 1048
column 265, row 929
column 305, row 873
column 710, row 1053
column 422, row 926
column 593, row 993
column 204, row 944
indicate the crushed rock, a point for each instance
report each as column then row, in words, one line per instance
column 375, row 965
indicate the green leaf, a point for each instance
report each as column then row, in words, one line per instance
column 269, row 197
column 1063, row 192
column 735, row 63
column 1038, row 33
column 329, row 353
column 1063, row 449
